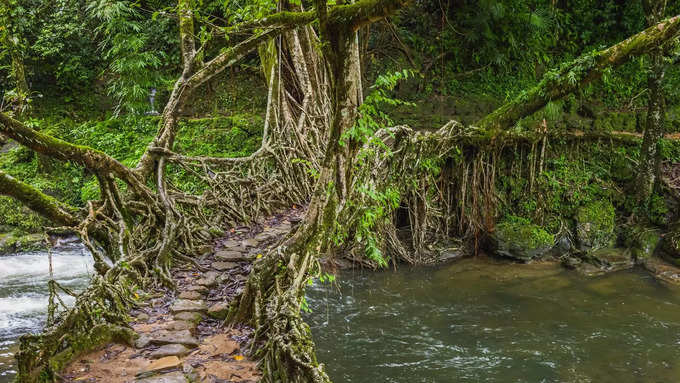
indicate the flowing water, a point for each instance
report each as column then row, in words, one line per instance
column 479, row 320
column 23, row 294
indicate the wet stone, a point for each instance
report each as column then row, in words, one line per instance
column 219, row 310
column 222, row 266
column 160, row 365
column 173, row 377
column 209, row 279
column 191, row 295
column 182, row 305
column 178, row 325
column 170, row 350
column 231, row 256
column 143, row 317
column 252, row 242
column 142, row 341
column 198, row 288
column 188, row 316
column 231, row 244
column 265, row 236
column 183, row 337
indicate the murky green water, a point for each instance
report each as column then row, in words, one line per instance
column 481, row 321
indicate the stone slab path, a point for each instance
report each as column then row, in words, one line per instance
column 181, row 337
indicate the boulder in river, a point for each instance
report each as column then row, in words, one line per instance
column 14, row 242
column 595, row 225
column 521, row 240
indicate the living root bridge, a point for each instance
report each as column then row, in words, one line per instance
column 142, row 223
column 349, row 211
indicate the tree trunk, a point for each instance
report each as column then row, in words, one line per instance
column 656, row 114
column 18, row 74
column 573, row 75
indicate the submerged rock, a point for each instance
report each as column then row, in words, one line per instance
column 605, row 260
column 662, row 270
column 521, row 240
column 595, row 225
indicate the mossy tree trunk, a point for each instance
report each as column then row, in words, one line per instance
column 656, row 114
column 571, row 76
column 11, row 42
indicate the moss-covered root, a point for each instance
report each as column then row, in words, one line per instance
column 271, row 303
column 98, row 317
column 288, row 354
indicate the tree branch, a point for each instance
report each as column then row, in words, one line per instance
column 57, row 212
column 92, row 159
column 573, row 75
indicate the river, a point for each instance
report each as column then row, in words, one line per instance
column 481, row 320
column 477, row 320
column 23, row 294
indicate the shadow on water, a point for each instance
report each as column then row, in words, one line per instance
column 479, row 320
column 24, row 295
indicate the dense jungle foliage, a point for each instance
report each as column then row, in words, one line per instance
column 407, row 131
column 89, row 67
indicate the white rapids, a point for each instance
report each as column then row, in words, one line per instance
column 24, row 296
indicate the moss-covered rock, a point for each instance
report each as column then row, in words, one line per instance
column 16, row 242
column 606, row 260
column 671, row 244
column 521, row 240
column 642, row 241
column 595, row 225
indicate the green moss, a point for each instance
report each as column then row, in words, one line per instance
column 642, row 241
column 17, row 241
column 595, row 225
column 82, row 343
column 518, row 238
column 671, row 244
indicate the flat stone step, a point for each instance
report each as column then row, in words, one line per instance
column 191, row 295
column 188, row 316
column 222, row 266
column 170, row 350
column 174, row 337
column 178, row 325
column 173, row 377
column 209, row 279
column 182, row 305
column 252, row 242
column 232, row 256
column 198, row 288
column 160, row 365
